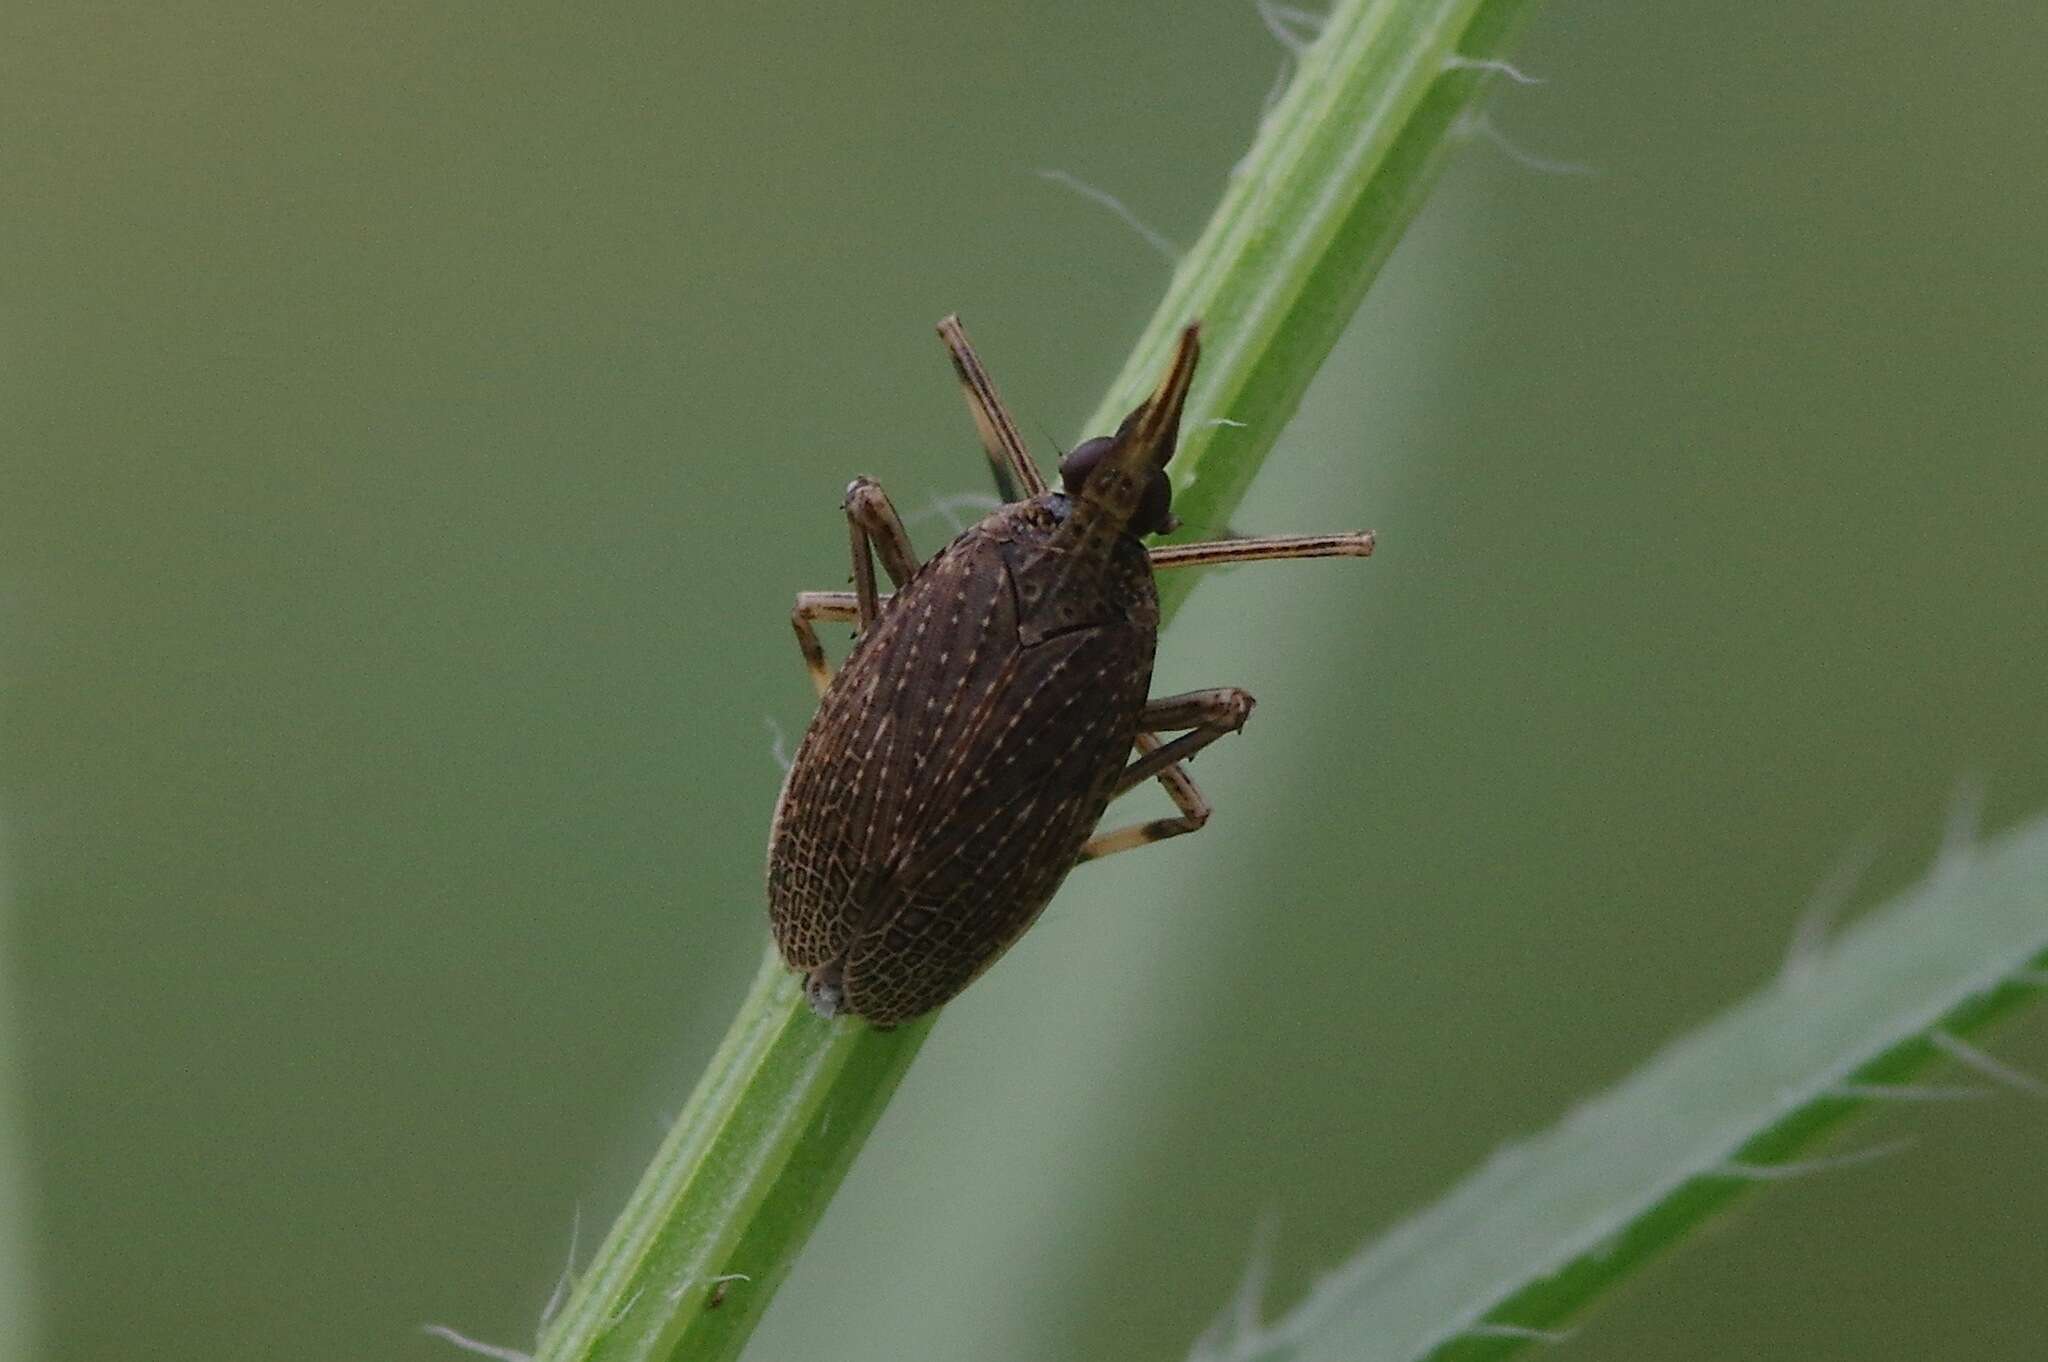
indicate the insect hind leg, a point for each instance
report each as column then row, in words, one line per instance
column 1207, row 715
column 1194, row 809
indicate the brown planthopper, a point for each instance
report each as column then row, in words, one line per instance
column 990, row 710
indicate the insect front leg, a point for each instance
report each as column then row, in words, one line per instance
column 1017, row 477
column 1206, row 715
column 877, row 532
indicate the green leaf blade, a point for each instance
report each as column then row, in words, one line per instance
column 1550, row 1223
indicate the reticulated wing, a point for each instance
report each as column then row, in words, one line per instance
column 946, row 784
column 999, row 819
column 914, row 685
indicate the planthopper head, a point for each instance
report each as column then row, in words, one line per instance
column 1117, row 483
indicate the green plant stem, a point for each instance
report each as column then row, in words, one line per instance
column 739, row 1181
column 1337, row 170
column 1341, row 165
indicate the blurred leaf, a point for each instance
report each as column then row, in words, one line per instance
column 1508, row 1256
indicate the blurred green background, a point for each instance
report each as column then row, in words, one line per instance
column 418, row 420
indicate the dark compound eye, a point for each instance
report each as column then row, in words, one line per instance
column 1155, row 512
column 1081, row 460
column 1155, row 509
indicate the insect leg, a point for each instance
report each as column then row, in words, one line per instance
column 1207, row 715
column 877, row 531
column 1357, row 544
column 1017, row 477
column 811, row 607
column 1187, row 797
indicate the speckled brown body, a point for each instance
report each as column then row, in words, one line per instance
column 958, row 762
column 991, row 708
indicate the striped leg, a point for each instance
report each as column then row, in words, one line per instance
column 1354, row 544
column 1206, row 715
column 876, row 531
column 1017, row 477
column 812, row 606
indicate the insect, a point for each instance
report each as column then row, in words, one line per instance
column 991, row 708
